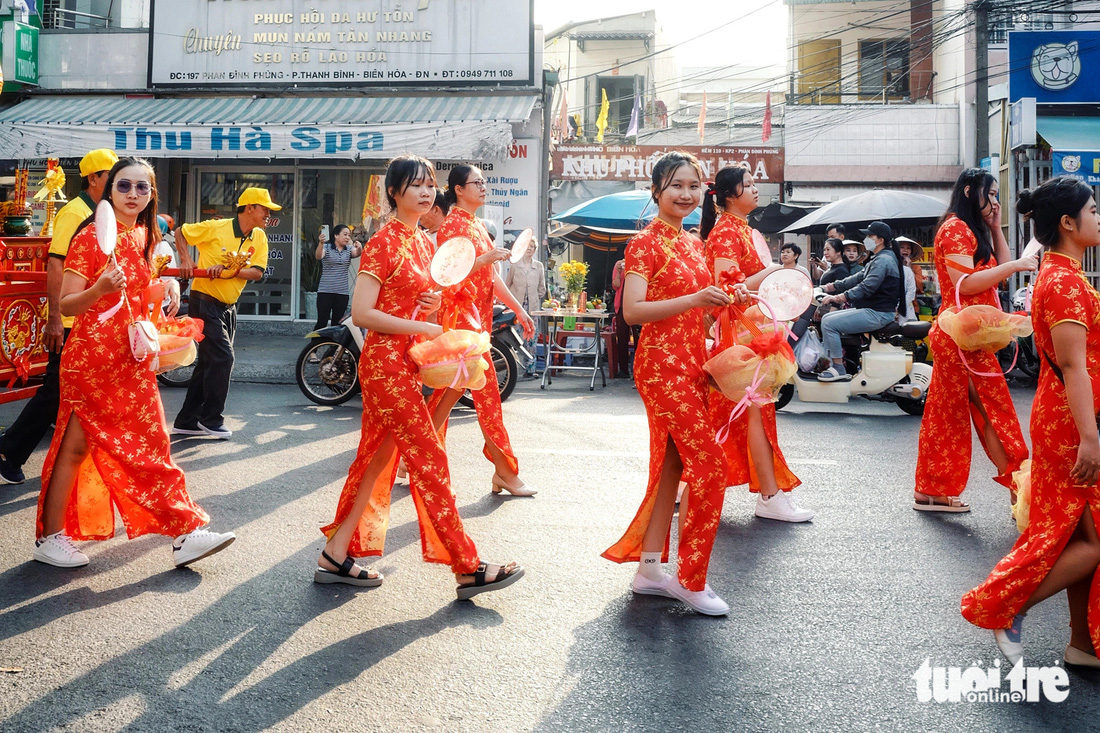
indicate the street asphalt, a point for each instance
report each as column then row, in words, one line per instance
column 829, row 622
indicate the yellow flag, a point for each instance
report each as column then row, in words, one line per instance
column 601, row 121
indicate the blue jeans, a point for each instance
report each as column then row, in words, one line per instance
column 853, row 320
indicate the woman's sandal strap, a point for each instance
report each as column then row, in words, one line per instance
column 344, row 569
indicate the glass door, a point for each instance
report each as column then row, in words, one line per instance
column 218, row 190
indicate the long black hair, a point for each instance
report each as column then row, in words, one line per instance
column 457, row 177
column 1047, row 204
column 148, row 217
column 404, row 170
column 728, row 183
column 968, row 204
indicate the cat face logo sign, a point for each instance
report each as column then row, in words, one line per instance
column 1055, row 66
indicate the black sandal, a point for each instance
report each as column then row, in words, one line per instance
column 480, row 585
column 364, row 579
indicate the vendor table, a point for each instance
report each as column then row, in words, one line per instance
column 553, row 321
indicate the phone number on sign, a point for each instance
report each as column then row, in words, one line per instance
column 477, row 74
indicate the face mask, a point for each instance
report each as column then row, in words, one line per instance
column 870, row 243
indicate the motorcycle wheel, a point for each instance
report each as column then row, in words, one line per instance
column 786, row 394
column 911, row 407
column 180, row 377
column 333, row 379
column 507, row 374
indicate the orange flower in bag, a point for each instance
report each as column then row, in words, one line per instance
column 178, row 338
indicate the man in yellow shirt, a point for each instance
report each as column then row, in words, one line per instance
column 223, row 245
column 19, row 441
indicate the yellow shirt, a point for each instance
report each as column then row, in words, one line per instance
column 215, row 239
column 65, row 223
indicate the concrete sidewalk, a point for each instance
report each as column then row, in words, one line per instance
column 267, row 353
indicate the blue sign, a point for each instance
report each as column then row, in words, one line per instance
column 1085, row 166
column 1054, row 66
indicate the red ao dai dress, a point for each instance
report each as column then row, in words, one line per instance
column 731, row 239
column 129, row 464
column 668, row 370
column 478, row 287
column 943, row 456
column 1062, row 294
column 399, row 258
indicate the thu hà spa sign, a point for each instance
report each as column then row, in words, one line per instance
column 204, row 43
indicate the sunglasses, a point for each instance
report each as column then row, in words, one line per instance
column 142, row 187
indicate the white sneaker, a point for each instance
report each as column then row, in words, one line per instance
column 646, row 587
column 1010, row 640
column 703, row 601
column 58, row 550
column 781, row 507
column 187, row 548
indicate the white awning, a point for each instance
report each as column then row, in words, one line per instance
column 335, row 128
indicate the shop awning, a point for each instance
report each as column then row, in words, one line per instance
column 1075, row 146
column 450, row 127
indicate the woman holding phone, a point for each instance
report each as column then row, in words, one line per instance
column 335, row 256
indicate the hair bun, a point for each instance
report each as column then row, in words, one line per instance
column 1025, row 202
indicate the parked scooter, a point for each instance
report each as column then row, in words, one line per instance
column 508, row 352
column 1025, row 370
column 328, row 367
column 886, row 367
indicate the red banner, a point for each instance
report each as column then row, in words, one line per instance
column 580, row 162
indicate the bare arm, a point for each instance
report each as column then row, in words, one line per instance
column 183, row 250
column 364, row 313
column 1069, row 351
column 983, row 280
column 77, row 297
column 637, row 310
column 251, row 273
column 55, row 330
column 319, row 253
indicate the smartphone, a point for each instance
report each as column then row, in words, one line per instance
column 324, row 232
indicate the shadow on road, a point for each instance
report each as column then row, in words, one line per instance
column 178, row 682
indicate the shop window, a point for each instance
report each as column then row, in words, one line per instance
column 884, row 69
column 620, row 102
column 819, row 72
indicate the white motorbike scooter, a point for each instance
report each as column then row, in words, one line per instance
column 887, row 370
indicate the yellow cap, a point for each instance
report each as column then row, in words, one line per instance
column 102, row 159
column 258, row 196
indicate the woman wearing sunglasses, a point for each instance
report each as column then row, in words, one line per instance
column 472, row 303
column 111, row 447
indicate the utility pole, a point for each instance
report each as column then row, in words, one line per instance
column 981, row 77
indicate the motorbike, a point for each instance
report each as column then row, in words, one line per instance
column 328, row 367
column 1020, row 361
column 887, row 366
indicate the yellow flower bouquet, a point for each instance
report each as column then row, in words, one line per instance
column 574, row 274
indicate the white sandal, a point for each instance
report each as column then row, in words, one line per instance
column 928, row 503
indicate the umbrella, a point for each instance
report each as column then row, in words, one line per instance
column 624, row 211
column 773, row 217
column 876, row 205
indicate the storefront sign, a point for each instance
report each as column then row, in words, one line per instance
column 291, row 43
column 331, row 142
column 635, row 162
column 20, row 56
column 1085, row 166
column 511, row 185
column 1054, row 66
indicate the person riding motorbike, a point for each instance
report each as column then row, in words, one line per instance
column 875, row 292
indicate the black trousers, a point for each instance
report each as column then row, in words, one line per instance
column 209, row 387
column 19, row 441
column 623, row 332
column 330, row 309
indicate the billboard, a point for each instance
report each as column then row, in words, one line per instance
column 289, row 43
column 581, row 162
column 1054, row 66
